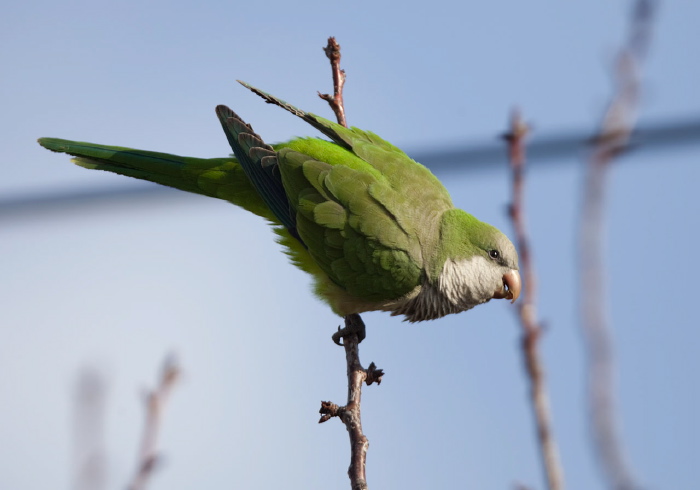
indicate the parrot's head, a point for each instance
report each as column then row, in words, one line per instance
column 504, row 258
column 480, row 262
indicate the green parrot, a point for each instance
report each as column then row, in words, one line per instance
column 376, row 230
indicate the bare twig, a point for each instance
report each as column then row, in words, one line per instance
column 531, row 329
column 615, row 131
column 350, row 414
column 155, row 403
column 90, row 431
column 332, row 51
column 354, row 331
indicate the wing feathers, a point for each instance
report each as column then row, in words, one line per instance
column 249, row 148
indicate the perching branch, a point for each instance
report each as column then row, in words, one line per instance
column 354, row 331
column 332, row 51
column 612, row 139
column 155, row 403
column 526, row 310
column 350, row 414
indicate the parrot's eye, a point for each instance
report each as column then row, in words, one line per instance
column 494, row 254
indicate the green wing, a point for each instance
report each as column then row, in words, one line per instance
column 353, row 238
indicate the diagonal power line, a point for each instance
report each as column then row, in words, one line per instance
column 551, row 150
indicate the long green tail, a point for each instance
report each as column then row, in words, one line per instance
column 222, row 178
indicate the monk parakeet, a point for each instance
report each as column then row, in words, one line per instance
column 376, row 230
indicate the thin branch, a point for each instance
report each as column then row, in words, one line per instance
column 531, row 330
column 155, row 404
column 332, row 51
column 354, row 331
column 350, row 414
column 612, row 139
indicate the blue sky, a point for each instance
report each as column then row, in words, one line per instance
column 116, row 287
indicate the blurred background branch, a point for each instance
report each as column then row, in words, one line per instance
column 155, row 400
column 612, row 139
column 89, row 431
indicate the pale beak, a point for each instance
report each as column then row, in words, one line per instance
column 511, row 286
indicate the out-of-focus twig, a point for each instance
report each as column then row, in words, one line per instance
column 526, row 309
column 612, row 138
column 155, row 404
column 332, row 51
column 90, row 431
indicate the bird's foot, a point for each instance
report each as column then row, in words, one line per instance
column 353, row 326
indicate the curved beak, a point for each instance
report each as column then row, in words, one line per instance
column 511, row 286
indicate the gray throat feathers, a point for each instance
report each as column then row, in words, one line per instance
column 461, row 285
